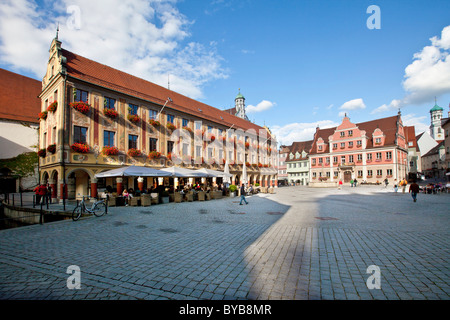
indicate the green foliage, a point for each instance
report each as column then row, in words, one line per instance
column 233, row 188
column 23, row 165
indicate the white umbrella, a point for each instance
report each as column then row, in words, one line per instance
column 132, row 171
column 183, row 172
column 215, row 173
column 244, row 173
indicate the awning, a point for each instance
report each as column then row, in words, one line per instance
column 178, row 172
column 215, row 173
column 132, row 171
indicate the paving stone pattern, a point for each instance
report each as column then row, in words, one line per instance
column 300, row 243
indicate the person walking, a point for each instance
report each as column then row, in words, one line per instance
column 403, row 184
column 243, row 194
column 386, row 182
column 351, row 183
column 414, row 190
column 395, row 185
column 340, row 184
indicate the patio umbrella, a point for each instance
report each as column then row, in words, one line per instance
column 244, row 173
column 132, row 171
column 215, row 173
column 226, row 171
column 178, row 172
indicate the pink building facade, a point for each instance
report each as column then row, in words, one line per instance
column 369, row 152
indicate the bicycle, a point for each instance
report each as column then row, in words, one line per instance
column 98, row 208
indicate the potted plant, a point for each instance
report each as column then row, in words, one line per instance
column 165, row 197
column 80, row 147
column 170, row 126
column 110, row 151
column 154, row 155
column 43, row 115
column 232, row 189
column 52, row 106
column 110, row 113
column 154, row 123
column 80, row 106
column 42, row 153
column 133, row 118
column 134, row 152
column 51, row 148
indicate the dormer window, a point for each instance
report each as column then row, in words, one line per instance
column 377, row 141
column 319, row 148
column 350, row 133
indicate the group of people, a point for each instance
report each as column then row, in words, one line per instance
column 42, row 193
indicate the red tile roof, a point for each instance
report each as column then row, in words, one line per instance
column 19, row 97
column 410, row 136
column 299, row 147
column 87, row 70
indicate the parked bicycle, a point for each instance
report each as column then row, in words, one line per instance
column 98, row 208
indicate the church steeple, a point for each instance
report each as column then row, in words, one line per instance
column 436, row 131
column 239, row 103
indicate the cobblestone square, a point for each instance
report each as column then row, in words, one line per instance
column 300, row 243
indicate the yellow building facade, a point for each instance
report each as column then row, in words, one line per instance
column 95, row 118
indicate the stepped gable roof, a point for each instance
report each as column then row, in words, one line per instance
column 299, row 147
column 19, row 97
column 387, row 125
column 88, row 70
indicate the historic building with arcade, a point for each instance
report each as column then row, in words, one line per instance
column 95, row 118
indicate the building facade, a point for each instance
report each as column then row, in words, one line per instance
column 282, row 169
column 100, row 118
column 297, row 162
column 414, row 156
column 19, row 135
column 369, row 152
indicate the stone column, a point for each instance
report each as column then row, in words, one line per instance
column 52, row 184
column 63, row 191
column 94, row 188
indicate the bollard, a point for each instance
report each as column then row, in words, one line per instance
column 41, row 215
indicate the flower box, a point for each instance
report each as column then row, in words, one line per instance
column 133, row 118
column 80, row 147
column 368, row 177
column 52, row 107
column 188, row 129
column 154, row 155
column 154, row 123
column 134, row 152
column 51, row 148
column 247, row 145
column 110, row 113
column 43, row 115
column 170, row 126
column 379, row 176
column 247, row 164
column 110, row 151
column 42, row 153
column 80, row 106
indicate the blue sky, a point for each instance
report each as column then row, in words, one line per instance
column 299, row 64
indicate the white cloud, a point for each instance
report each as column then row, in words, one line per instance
column 262, row 106
column 428, row 76
column 299, row 131
column 394, row 105
column 354, row 104
column 144, row 38
column 416, row 121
